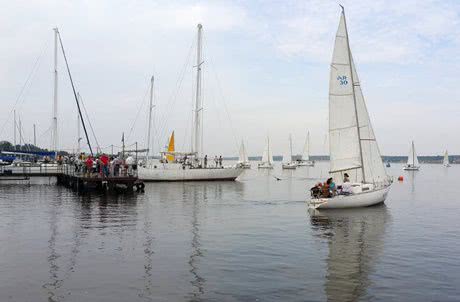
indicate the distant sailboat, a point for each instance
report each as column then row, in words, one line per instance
column 352, row 144
column 243, row 160
column 412, row 160
column 305, row 159
column 288, row 163
column 446, row 160
column 267, row 157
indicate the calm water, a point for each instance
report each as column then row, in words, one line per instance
column 249, row 240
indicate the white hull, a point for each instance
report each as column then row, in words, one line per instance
column 307, row 163
column 446, row 165
column 175, row 172
column 290, row 166
column 411, row 168
column 265, row 166
column 364, row 199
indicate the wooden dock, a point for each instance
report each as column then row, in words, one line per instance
column 79, row 181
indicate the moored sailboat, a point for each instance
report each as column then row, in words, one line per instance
column 189, row 166
column 353, row 147
column 288, row 163
column 412, row 160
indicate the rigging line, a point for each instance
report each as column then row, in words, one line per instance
column 137, row 114
column 172, row 99
column 219, row 86
column 89, row 121
column 74, row 92
column 28, row 79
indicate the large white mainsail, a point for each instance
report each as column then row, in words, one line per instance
column 352, row 143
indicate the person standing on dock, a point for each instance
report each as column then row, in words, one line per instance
column 89, row 165
column 105, row 165
column 220, row 161
column 216, row 160
column 130, row 163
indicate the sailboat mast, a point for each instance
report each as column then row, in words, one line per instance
column 290, row 148
column 197, row 144
column 14, row 129
column 354, row 96
column 35, row 137
column 413, row 154
column 150, row 119
column 55, row 94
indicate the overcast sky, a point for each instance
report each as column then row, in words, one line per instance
column 266, row 70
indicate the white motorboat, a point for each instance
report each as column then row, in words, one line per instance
column 267, row 157
column 288, row 163
column 243, row 160
column 352, row 143
column 305, row 159
column 194, row 166
column 412, row 160
column 445, row 162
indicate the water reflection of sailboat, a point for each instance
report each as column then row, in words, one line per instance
column 355, row 240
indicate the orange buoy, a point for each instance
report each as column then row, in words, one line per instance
column 400, row 178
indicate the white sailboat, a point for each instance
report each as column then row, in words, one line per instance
column 412, row 160
column 305, row 159
column 243, row 160
column 267, row 157
column 352, row 143
column 445, row 162
column 189, row 166
column 288, row 163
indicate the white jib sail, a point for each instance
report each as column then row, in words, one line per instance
column 352, row 150
column 306, row 149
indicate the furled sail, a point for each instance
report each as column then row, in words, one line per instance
column 352, row 143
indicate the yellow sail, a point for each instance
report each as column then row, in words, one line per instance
column 170, row 157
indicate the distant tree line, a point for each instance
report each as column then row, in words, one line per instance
column 7, row 146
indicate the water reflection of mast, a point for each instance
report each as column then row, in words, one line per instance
column 54, row 281
column 198, row 281
column 355, row 240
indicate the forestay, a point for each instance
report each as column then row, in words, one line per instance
column 352, row 150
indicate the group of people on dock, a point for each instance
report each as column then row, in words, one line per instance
column 103, row 165
column 328, row 189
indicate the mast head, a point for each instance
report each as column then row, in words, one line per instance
column 199, row 26
column 343, row 8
